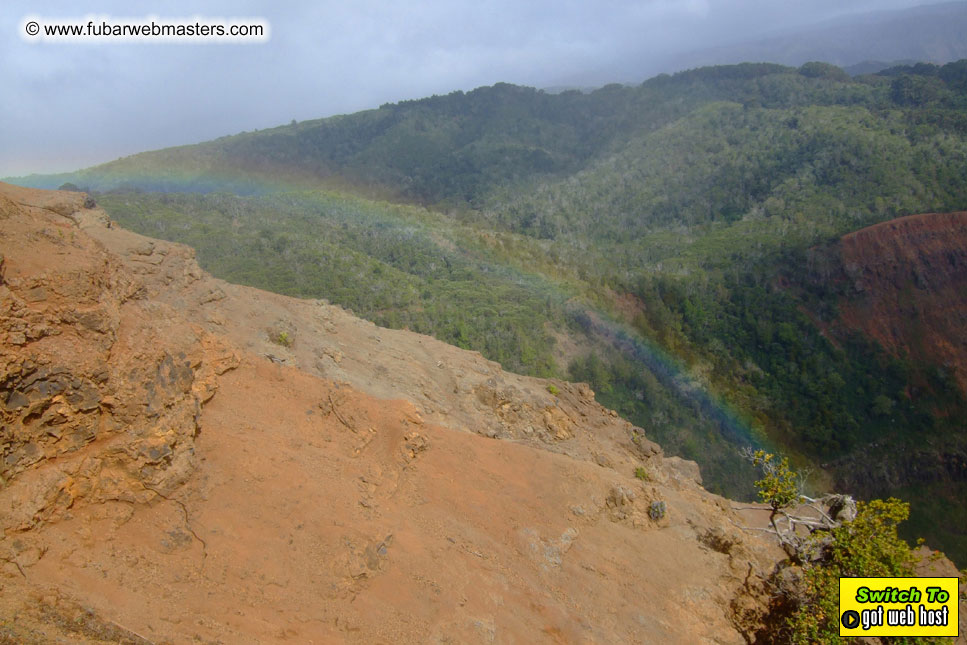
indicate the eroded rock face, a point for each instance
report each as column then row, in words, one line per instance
column 100, row 388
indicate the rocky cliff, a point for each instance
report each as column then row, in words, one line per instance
column 186, row 460
column 101, row 387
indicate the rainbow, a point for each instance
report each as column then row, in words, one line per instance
column 160, row 171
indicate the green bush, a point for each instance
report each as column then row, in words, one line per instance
column 779, row 486
column 867, row 546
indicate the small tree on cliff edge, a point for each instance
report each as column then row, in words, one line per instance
column 834, row 542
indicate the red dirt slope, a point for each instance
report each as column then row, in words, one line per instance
column 910, row 288
column 173, row 474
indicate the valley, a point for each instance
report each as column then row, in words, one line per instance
column 669, row 243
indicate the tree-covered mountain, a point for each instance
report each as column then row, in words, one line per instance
column 662, row 242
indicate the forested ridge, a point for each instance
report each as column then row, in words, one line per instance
column 686, row 217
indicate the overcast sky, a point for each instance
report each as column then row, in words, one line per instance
column 66, row 106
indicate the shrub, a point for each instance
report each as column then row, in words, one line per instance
column 866, row 545
column 284, row 339
column 641, row 474
column 657, row 510
column 779, row 486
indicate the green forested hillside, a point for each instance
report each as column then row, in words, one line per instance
column 654, row 240
column 459, row 148
column 396, row 265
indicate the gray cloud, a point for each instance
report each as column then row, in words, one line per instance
column 70, row 105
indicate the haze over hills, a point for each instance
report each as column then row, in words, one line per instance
column 657, row 241
column 934, row 33
column 174, row 95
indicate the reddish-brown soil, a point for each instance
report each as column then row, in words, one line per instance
column 909, row 288
column 189, row 461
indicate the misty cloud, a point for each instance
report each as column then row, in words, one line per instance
column 70, row 105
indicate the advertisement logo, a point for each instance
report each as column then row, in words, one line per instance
column 898, row 606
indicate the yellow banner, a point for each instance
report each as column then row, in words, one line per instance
column 898, row 606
